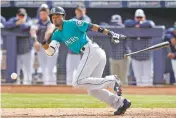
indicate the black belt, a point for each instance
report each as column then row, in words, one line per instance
column 83, row 48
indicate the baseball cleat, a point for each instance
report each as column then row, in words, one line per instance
column 117, row 87
column 122, row 110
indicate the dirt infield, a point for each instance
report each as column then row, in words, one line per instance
column 169, row 90
column 86, row 113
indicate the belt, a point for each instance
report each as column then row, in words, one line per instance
column 83, row 49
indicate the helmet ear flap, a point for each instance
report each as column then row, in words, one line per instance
column 50, row 16
column 64, row 16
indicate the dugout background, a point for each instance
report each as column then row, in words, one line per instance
column 161, row 16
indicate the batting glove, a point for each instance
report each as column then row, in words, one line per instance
column 116, row 37
column 45, row 44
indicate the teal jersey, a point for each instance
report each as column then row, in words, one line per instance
column 73, row 34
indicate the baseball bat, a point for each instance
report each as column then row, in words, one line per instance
column 154, row 47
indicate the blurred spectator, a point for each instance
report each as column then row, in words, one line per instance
column 42, row 30
column 24, row 63
column 142, row 63
column 118, row 64
column 74, row 59
column 80, row 14
column 3, row 20
column 38, row 10
column 37, row 71
column 171, row 37
column 116, row 20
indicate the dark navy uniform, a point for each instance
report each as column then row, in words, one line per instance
column 24, row 47
column 47, row 64
column 142, row 63
column 170, row 34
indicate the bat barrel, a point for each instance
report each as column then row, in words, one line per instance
column 154, row 47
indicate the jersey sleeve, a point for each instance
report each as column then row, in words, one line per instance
column 81, row 25
column 55, row 37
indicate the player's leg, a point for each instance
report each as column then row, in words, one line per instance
column 147, row 73
column 27, row 68
column 41, row 55
column 137, row 69
column 121, row 69
column 124, row 69
column 91, row 58
column 103, row 94
column 19, row 67
column 33, row 60
column 114, row 67
column 72, row 63
column 174, row 67
column 51, row 75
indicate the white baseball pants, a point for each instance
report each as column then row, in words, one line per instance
column 72, row 63
column 174, row 67
column 143, row 72
column 24, row 63
column 89, row 76
column 47, row 65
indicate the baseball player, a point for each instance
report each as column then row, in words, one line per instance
column 24, row 47
column 118, row 64
column 142, row 63
column 73, row 59
column 171, row 37
column 3, row 20
column 42, row 30
column 90, row 69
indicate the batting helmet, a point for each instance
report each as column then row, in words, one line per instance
column 57, row 10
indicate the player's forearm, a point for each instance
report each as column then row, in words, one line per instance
column 50, row 49
column 33, row 32
column 48, row 35
column 97, row 28
column 49, row 31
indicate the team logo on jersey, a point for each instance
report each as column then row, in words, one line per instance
column 71, row 40
column 79, row 22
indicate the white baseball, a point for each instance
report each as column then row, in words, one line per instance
column 13, row 75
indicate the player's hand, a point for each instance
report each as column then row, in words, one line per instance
column 116, row 37
column 173, row 41
column 37, row 46
column 19, row 22
column 171, row 55
column 137, row 26
column 45, row 44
